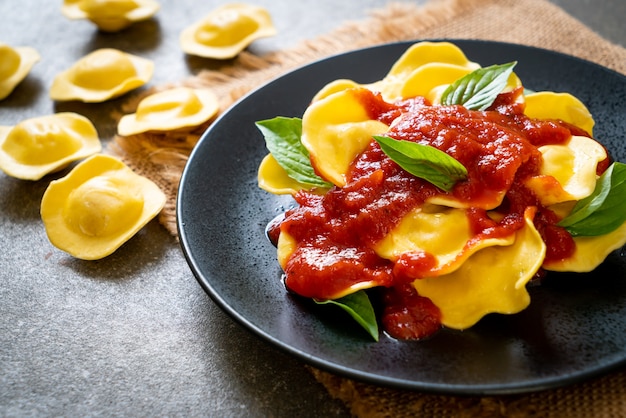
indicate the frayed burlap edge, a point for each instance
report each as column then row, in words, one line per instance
column 599, row 398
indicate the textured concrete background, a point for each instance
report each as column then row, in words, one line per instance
column 134, row 334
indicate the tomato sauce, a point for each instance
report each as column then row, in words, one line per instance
column 335, row 232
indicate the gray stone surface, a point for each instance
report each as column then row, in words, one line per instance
column 134, row 334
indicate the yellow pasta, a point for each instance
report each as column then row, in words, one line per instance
column 110, row 15
column 226, row 31
column 568, row 171
column 438, row 230
column 335, row 130
column 169, row 110
column 15, row 64
column 98, row 206
column 101, row 75
column 492, row 280
column 45, row 144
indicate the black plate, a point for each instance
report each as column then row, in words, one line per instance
column 574, row 329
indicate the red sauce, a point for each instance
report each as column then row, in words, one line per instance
column 335, row 232
column 407, row 315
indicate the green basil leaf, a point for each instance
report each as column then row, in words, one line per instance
column 478, row 89
column 424, row 161
column 282, row 139
column 360, row 308
column 604, row 210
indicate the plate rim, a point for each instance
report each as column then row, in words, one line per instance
column 534, row 385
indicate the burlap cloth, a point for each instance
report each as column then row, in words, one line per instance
column 162, row 157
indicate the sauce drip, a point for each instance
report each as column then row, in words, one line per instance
column 335, row 232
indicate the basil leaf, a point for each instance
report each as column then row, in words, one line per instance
column 282, row 139
column 478, row 89
column 424, row 161
column 360, row 308
column 604, row 210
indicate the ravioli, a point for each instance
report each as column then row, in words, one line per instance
column 421, row 71
column 493, row 280
column 563, row 106
column 46, row 144
column 98, row 206
column 15, row 64
column 429, row 79
column 226, row 31
column 169, row 110
column 335, row 87
column 442, row 232
column 110, row 15
column 274, row 179
column 336, row 258
column 101, row 75
column 335, row 130
column 590, row 252
column 413, row 59
column 568, row 171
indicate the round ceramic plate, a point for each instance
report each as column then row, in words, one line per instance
column 574, row 329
